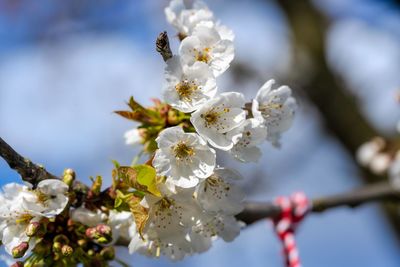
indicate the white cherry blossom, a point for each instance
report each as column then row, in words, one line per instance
column 14, row 218
column 275, row 108
column 218, row 193
column 183, row 157
column 171, row 216
column 224, row 226
column 206, row 45
column 184, row 16
column 185, row 88
column 122, row 224
column 250, row 134
column 20, row 205
column 51, row 198
column 133, row 137
column 88, row 217
column 218, row 117
column 156, row 248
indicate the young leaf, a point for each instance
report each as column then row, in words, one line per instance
column 146, row 175
column 129, row 176
column 140, row 213
column 140, row 177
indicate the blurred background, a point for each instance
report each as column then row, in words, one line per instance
column 65, row 66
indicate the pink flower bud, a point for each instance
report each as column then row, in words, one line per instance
column 103, row 229
column 67, row 250
column 101, row 233
column 19, row 251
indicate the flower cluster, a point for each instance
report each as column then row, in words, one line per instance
column 178, row 201
column 24, row 211
column 190, row 200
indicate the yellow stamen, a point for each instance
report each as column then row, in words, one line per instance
column 185, row 89
column 211, row 117
column 203, row 55
column 24, row 218
column 183, row 151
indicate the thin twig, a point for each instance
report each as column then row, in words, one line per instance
column 162, row 46
column 29, row 171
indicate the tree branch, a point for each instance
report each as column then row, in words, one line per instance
column 30, row 172
column 255, row 211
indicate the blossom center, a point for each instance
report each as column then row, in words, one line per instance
column 183, row 151
column 203, row 55
column 163, row 205
column 185, row 89
column 266, row 109
column 216, row 186
column 210, row 117
column 41, row 197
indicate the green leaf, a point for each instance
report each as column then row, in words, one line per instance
column 116, row 164
column 140, row 177
column 146, row 175
column 118, row 202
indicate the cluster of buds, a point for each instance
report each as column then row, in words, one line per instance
column 39, row 227
column 100, row 234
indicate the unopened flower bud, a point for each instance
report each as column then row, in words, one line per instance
column 101, row 233
column 108, row 253
column 96, row 186
column 104, row 229
column 57, row 246
column 82, row 242
column 103, row 240
column 90, row 252
column 91, row 233
column 19, row 251
column 173, row 117
column 67, row 250
column 68, row 179
column 32, row 228
column 69, row 171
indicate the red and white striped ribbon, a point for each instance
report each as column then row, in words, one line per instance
column 293, row 210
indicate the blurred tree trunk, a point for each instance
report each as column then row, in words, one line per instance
column 337, row 106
